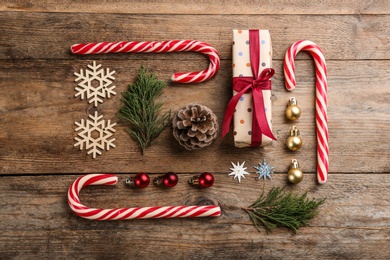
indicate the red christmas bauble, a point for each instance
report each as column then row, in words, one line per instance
column 170, row 179
column 141, row 180
column 206, row 180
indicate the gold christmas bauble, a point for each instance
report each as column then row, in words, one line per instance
column 293, row 112
column 295, row 175
column 294, row 143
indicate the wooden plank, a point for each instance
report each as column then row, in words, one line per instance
column 201, row 7
column 50, row 35
column 37, row 223
column 38, row 110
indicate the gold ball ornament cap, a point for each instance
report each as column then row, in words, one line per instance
column 295, row 175
column 294, row 142
column 293, row 112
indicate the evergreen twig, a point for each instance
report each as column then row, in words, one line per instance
column 142, row 111
column 282, row 209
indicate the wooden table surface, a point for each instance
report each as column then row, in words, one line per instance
column 38, row 109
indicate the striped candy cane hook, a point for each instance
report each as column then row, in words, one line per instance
column 129, row 213
column 321, row 99
column 164, row 46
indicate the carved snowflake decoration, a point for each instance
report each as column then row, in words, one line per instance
column 238, row 171
column 95, row 84
column 264, row 170
column 95, row 135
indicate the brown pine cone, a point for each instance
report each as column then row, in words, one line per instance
column 195, row 126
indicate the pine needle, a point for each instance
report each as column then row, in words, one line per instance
column 142, row 111
column 282, row 209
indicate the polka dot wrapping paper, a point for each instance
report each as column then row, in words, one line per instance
column 242, row 67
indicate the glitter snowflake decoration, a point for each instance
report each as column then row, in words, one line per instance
column 238, row 171
column 264, row 170
column 95, row 84
column 94, row 134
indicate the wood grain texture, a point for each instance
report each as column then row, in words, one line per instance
column 50, row 35
column 38, row 109
column 37, row 223
column 201, row 7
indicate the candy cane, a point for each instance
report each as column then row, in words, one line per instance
column 164, row 46
column 130, row 213
column 321, row 99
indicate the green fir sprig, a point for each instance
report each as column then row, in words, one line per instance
column 142, row 111
column 282, row 209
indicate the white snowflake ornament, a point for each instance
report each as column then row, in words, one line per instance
column 95, row 84
column 264, row 170
column 238, row 171
column 95, row 134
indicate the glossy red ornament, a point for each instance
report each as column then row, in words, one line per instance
column 140, row 180
column 204, row 180
column 168, row 180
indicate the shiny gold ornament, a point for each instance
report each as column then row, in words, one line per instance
column 295, row 175
column 293, row 112
column 294, row 142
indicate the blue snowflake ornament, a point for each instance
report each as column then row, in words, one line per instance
column 264, row 170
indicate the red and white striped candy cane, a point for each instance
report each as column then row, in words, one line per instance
column 164, row 46
column 130, row 213
column 321, row 99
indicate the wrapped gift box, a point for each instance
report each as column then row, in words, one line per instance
column 252, row 58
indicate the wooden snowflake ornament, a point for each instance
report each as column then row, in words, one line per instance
column 94, row 134
column 95, row 84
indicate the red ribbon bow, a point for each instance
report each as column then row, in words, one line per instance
column 257, row 84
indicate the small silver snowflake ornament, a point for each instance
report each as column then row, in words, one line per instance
column 264, row 170
column 87, row 89
column 95, row 134
column 238, row 171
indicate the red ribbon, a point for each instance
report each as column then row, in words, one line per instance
column 257, row 84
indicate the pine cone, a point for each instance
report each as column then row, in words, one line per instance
column 195, row 126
